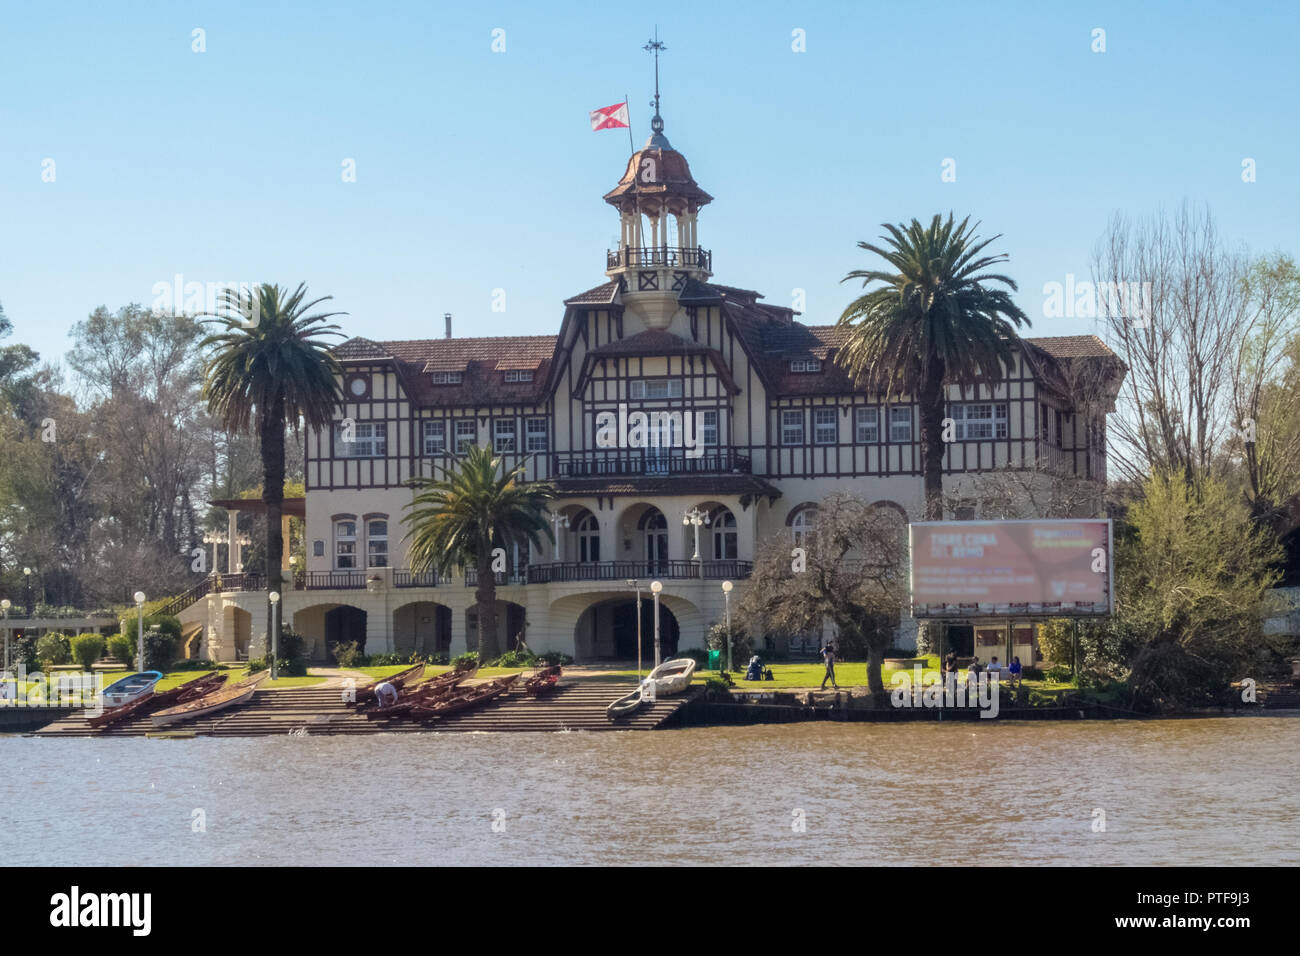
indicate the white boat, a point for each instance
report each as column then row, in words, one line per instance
column 625, row 706
column 211, row 703
column 123, row 691
column 672, row 677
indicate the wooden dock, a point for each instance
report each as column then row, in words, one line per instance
column 315, row 711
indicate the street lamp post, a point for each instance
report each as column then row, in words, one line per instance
column 726, row 598
column 214, row 538
column 27, row 578
column 275, row 634
column 139, row 634
column 655, row 588
column 697, row 518
column 5, row 605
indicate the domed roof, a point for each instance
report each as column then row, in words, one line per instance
column 657, row 172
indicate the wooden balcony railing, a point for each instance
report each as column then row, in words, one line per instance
column 648, row 257
column 329, row 581
column 616, row 462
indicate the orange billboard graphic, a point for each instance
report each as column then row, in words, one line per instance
column 1008, row 568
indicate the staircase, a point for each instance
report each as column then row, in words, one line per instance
column 315, row 711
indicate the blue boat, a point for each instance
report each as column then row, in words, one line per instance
column 130, row 687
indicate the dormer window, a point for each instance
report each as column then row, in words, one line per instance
column 447, row 378
column 654, row 388
column 805, row 365
column 519, row 375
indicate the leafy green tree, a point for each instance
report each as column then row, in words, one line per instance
column 934, row 318
column 87, row 648
column 460, row 517
column 271, row 370
column 1192, row 580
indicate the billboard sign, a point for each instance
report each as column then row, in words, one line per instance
column 1047, row 568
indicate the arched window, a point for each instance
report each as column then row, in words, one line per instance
column 588, row 531
column 377, row 542
column 803, row 528
column 654, row 532
column 345, row 544
column 724, row 535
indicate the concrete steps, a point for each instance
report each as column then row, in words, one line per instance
column 573, row 705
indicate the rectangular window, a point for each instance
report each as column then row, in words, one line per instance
column 446, row 378
column 345, row 545
column 825, row 430
column 435, row 438
column 1044, row 429
column 503, row 435
column 805, row 365
column 377, row 544
column 791, row 426
column 535, row 434
column 708, row 429
column 979, row 421
column 900, row 424
column 867, row 419
column 466, row 435
column 519, row 375
column 655, row 388
column 369, row 440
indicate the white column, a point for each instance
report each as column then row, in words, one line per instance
column 232, row 554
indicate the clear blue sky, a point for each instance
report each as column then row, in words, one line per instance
column 477, row 170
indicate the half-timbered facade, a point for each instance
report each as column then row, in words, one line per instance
column 667, row 409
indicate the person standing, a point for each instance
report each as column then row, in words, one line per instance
column 828, row 655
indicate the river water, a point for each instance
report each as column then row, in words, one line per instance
column 1210, row 791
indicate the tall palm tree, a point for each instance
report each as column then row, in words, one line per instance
column 934, row 319
column 270, row 369
column 474, row 507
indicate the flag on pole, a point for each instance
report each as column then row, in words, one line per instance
column 610, row 117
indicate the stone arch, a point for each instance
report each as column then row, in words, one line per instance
column 326, row 623
column 422, row 627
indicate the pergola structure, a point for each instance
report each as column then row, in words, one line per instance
column 290, row 508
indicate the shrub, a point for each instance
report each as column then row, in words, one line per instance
column 159, row 649
column 514, row 659
column 53, row 649
column 742, row 645
column 347, row 654
column 1059, row 674
column 1031, row 673
column 719, row 688
column 167, row 623
column 1054, row 641
column 554, row 657
column 195, row 664
column 385, row 660
column 23, row 651
column 122, row 648
column 435, row 659
column 467, row 659
column 86, row 649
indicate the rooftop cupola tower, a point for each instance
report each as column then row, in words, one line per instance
column 658, row 203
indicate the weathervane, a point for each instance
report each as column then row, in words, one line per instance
column 654, row 46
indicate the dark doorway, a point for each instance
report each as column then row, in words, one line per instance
column 345, row 624
column 624, row 625
column 960, row 640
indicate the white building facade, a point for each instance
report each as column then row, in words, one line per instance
column 663, row 398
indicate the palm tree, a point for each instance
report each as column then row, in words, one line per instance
column 933, row 320
column 460, row 518
column 271, row 369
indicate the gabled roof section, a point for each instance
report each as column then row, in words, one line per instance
column 358, row 348
column 604, row 294
column 656, row 342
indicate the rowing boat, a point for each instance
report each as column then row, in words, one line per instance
column 673, row 677
column 366, row 695
column 542, row 681
column 158, row 700
column 626, row 706
column 129, row 688
column 211, row 703
column 463, row 699
column 438, row 686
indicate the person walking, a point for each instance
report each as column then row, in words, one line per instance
column 828, row 655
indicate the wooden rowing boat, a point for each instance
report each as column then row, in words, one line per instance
column 158, row 700
column 434, row 687
column 463, row 699
column 366, row 695
column 542, row 681
column 211, row 703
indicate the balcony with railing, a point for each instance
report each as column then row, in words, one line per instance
column 651, row 257
column 565, row 571
column 621, row 462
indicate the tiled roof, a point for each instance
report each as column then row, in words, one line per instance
column 602, row 294
column 659, row 342
column 1073, row 346
column 480, row 360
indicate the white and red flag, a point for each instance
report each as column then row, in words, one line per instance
column 610, row 117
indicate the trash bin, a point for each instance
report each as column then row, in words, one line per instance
column 715, row 660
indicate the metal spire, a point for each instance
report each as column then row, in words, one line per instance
column 657, row 137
